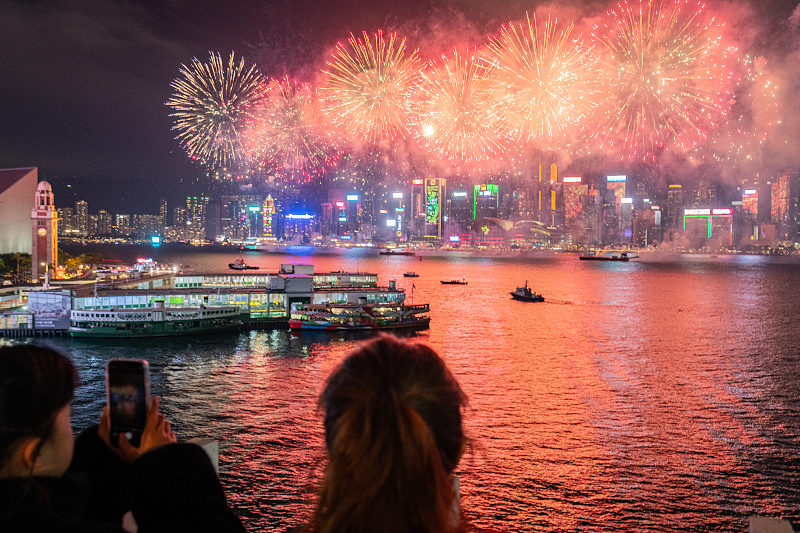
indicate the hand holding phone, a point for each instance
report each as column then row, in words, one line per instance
column 128, row 390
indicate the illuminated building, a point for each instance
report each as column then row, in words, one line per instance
column 196, row 217
column 82, row 217
column 93, row 226
column 145, row 226
column 523, row 204
column 415, row 209
column 367, row 210
column 626, row 219
column 784, row 204
column 178, row 216
column 353, row 212
column 268, row 213
column 590, row 218
column 336, row 197
column 461, row 207
column 326, row 219
column 647, row 225
column 394, row 217
column 44, row 234
column 750, row 202
column 123, row 225
column 616, row 184
column 103, row 222
column 674, row 211
column 435, row 191
column 66, row 216
column 485, row 201
column 709, row 226
column 162, row 210
column 299, row 228
column 546, row 196
column 703, row 194
column 573, row 190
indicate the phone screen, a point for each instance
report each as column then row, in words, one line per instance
column 128, row 391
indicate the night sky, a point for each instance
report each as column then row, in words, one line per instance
column 83, row 83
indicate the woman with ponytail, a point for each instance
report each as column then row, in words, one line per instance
column 393, row 435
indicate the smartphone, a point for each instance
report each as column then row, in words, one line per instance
column 128, row 390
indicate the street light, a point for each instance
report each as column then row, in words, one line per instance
column 46, row 275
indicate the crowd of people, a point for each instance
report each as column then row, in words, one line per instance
column 393, row 433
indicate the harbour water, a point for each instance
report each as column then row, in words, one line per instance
column 640, row 396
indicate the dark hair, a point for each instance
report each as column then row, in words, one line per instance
column 35, row 384
column 393, row 434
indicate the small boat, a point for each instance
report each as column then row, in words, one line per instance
column 525, row 294
column 613, row 257
column 239, row 264
column 361, row 316
column 462, row 281
column 411, row 275
column 393, row 252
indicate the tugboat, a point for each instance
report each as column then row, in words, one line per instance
column 525, row 294
column 239, row 264
column 462, row 281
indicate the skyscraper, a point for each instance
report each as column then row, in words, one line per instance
column 103, row 222
column 435, row 191
column 674, row 211
column 784, row 204
column 196, row 217
column 82, row 217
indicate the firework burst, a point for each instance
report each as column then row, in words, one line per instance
column 667, row 72
column 454, row 117
column 285, row 135
column 211, row 103
column 545, row 80
column 367, row 86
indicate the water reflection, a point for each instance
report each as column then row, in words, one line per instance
column 637, row 397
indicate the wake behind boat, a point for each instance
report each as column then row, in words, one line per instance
column 525, row 294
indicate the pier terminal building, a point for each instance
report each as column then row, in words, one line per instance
column 264, row 300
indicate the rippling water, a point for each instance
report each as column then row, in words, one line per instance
column 640, row 396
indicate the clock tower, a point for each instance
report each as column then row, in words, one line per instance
column 44, row 224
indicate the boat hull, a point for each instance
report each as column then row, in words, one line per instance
column 154, row 330
column 154, row 322
column 422, row 323
column 523, row 298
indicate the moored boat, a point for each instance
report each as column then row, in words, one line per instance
column 153, row 321
column 525, row 294
column 360, row 316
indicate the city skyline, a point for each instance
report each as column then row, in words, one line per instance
column 88, row 98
